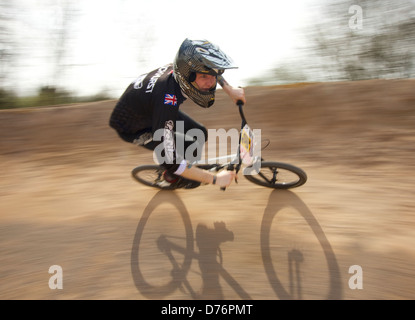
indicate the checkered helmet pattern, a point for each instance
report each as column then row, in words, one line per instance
column 199, row 56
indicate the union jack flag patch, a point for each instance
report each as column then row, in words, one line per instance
column 170, row 99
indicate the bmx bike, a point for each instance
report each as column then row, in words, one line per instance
column 270, row 174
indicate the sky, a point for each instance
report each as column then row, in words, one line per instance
column 112, row 42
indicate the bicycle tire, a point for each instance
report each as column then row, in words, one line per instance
column 276, row 175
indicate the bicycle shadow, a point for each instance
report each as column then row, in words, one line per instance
column 208, row 241
column 278, row 200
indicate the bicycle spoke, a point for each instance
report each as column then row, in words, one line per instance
column 278, row 175
column 264, row 177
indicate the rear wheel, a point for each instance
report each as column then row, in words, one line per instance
column 151, row 175
column 276, row 175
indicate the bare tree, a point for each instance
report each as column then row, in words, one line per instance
column 364, row 39
column 6, row 40
column 66, row 12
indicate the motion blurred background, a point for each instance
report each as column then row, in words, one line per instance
column 329, row 83
column 62, row 51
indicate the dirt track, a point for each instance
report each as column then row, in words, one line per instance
column 67, row 199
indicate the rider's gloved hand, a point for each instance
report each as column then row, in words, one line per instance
column 237, row 94
column 225, row 178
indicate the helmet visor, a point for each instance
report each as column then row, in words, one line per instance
column 212, row 56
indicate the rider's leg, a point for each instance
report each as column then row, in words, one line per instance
column 187, row 143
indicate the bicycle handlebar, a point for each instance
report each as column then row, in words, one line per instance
column 240, row 104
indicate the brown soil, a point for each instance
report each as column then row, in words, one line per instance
column 68, row 199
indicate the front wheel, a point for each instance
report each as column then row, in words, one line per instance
column 276, row 175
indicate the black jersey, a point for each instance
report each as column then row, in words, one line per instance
column 149, row 104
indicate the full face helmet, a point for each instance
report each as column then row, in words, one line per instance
column 199, row 56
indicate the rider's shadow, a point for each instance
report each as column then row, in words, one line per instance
column 180, row 256
column 208, row 241
column 278, row 200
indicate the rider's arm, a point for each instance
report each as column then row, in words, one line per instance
column 235, row 93
column 223, row 178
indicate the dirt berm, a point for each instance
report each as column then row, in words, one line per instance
column 68, row 203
